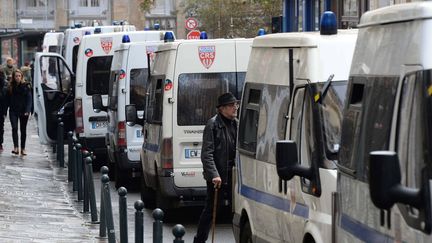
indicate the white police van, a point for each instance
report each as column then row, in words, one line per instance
column 385, row 163
column 92, row 77
column 53, row 42
column 128, row 83
column 186, row 79
column 294, row 90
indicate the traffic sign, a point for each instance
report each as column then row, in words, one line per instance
column 193, row 34
column 191, row 23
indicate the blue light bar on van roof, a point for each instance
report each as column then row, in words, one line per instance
column 87, row 33
column 97, row 30
column 261, row 32
column 203, row 35
column 328, row 23
column 168, row 37
column 78, row 25
column 156, row 26
column 125, row 39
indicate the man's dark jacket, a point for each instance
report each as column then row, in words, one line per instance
column 215, row 150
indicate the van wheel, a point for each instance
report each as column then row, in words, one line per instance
column 147, row 195
column 246, row 233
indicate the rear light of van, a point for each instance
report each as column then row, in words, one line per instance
column 79, row 116
column 167, row 157
column 121, row 140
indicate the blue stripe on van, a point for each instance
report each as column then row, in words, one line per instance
column 362, row 231
column 151, row 146
column 279, row 203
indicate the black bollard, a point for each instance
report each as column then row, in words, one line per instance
column 158, row 215
column 123, row 214
column 79, row 172
column 72, row 168
column 108, row 209
column 139, row 222
column 102, row 227
column 70, row 151
column 86, row 203
column 60, row 145
column 78, row 156
column 178, row 232
column 93, row 209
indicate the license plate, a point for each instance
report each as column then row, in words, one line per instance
column 192, row 153
column 99, row 124
column 139, row 133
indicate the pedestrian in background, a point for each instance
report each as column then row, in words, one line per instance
column 19, row 100
column 27, row 72
column 9, row 68
column 217, row 157
column 3, row 107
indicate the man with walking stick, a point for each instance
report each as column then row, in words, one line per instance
column 217, row 156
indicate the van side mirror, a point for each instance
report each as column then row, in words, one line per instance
column 131, row 115
column 385, row 182
column 97, row 103
column 287, row 161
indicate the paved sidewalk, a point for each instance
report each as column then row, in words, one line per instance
column 34, row 203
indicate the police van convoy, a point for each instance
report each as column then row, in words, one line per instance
column 58, row 87
column 128, row 83
column 49, row 66
column 385, row 159
column 186, row 79
column 294, row 90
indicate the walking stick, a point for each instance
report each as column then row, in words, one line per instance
column 214, row 211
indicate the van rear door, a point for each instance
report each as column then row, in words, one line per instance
column 52, row 95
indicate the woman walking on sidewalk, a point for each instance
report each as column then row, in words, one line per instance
column 19, row 101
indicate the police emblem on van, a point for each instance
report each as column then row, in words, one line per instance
column 207, row 55
column 106, row 44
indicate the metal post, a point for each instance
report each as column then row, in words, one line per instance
column 289, row 19
column 79, row 172
column 60, row 144
column 178, row 232
column 108, row 209
column 73, row 169
column 309, row 16
column 158, row 215
column 93, row 209
column 58, row 139
column 102, row 227
column 70, row 155
column 86, row 202
column 123, row 214
column 139, row 222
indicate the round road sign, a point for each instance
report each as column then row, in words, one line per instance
column 191, row 23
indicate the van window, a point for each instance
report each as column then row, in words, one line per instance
column 331, row 108
column 367, row 124
column 138, row 82
column 98, row 74
column 113, row 90
column 273, row 109
column 198, row 93
column 248, row 124
column 74, row 57
column 155, row 100
column 54, row 74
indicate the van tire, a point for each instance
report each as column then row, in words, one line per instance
column 147, row 195
column 246, row 233
column 121, row 177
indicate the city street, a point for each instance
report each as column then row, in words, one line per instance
column 37, row 203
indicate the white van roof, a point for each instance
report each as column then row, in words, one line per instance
column 174, row 44
column 301, row 39
column 397, row 13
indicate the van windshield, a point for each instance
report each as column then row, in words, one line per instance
column 331, row 109
column 138, row 81
column 198, row 93
column 98, row 74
